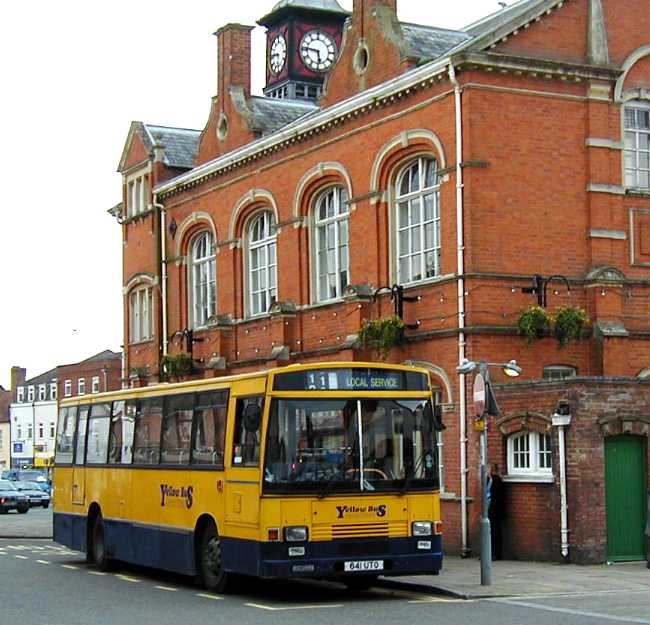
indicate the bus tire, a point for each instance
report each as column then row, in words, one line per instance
column 210, row 562
column 97, row 548
column 359, row 584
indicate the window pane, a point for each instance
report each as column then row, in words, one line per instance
column 177, row 429
column 210, row 428
column 65, row 434
column 80, row 455
column 148, row 418
column 98, row 430
column 430, row 173
column 246, row 440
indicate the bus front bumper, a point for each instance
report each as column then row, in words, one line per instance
column 389, row 557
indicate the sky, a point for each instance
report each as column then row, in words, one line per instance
column 74, row 75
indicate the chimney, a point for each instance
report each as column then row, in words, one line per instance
column 363, row 7
column 18, row 376
column 234, row 58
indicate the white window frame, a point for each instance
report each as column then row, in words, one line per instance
column 417, row 249
column 20, row 394
column 94, row 385
column 67, row 388
column 636, row 155
column 52, row 431
column 81, row 386
column 137, row 193
column 30, row 394
column 536, row 443
column 41, row 431
column 203, row 279
column 335, row 228
column 265, row 248
column 140, row 315
column 53, row 390
column 42, row 392
column 559, row 372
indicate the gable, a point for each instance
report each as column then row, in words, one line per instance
column 560, row 35
column 135, row 152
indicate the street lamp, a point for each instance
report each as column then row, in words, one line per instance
column 485, row 404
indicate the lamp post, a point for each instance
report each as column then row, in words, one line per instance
column 486, row 405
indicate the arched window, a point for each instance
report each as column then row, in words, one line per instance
column 637, row 144
column 331, row 244
column 418, row 221
column 203, row 279
column 141, row 315
column 262, row 263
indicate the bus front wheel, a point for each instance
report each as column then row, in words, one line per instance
column 211, row 572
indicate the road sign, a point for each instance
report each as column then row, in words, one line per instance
column 479, row 395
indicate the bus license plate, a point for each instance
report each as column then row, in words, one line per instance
column 364, row 565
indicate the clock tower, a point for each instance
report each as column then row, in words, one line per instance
column 303, row 41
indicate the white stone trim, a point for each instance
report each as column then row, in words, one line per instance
column 629, row 62
column 190, row 221
column 253, row 196
column 618, row 235
column 613, row 189
column 318, row 171
column 609, row 144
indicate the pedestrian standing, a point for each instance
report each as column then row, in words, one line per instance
column 496, row 509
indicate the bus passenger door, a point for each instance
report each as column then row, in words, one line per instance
column 243, row 474
column 78, row 471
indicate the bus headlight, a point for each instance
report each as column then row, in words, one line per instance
column 296, row 534
column 422, row 528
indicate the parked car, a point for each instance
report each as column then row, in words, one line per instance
column 28, row 475
column 11, row 498
column 37, row 497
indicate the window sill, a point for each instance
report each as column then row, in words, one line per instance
column 143, row 342
column 639, row 191
column 427, row 281
column 537, row 478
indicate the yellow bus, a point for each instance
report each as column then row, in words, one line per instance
column 325, row 471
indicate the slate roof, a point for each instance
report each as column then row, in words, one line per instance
column 43, row 378
column 271, row 114
column 181, row 144
column 312, row 5
column 428, row 42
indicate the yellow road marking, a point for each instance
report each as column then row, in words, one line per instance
column 127, row 578
column 42, row 561
column 70, row 566
column 206, row 596
column 22, row 557
column 169, row 588
column 260, row 606
column 440, row 600
column 97, row 573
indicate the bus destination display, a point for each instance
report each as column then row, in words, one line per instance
column 351, row 380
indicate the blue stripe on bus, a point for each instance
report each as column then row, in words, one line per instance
column 170, row 550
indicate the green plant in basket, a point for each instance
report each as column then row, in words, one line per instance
column 534, row 323
column 382, row 334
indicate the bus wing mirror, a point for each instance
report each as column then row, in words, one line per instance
column 252, row 417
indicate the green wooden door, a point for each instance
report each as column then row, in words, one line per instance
column 625, row 483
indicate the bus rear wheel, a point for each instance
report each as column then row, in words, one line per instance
column 210, row 561
column 97, row 548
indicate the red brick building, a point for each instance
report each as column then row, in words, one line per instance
column 459, row 165
column 98, row 374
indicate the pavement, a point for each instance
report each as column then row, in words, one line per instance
column 461, row 578
column 37, row 523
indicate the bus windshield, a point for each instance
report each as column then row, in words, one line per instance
column 323, row 445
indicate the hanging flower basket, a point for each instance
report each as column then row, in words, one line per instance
column 534, row 323
column 382, row 335
column 568, row 323
column 177, row 367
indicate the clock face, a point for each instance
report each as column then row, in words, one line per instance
column 318, row 50
column 278, row 54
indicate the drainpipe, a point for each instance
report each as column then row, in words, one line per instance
column 561, row 420
column 460, row 244
column 163, row 271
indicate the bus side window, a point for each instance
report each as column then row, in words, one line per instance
column 115, row 437
column 146, row 447
column 177, row 429
column 65, row 435
column 80, row 448
column 210, row 428
column 98, row 428
column 246, row 440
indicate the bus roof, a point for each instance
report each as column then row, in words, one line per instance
column 225, row 381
